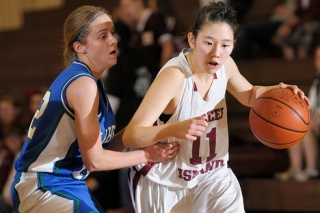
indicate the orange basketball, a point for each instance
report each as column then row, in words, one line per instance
column 279, row 118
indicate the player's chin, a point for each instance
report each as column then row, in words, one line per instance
column 113, row 56
column 214, row 70
column 112, row 61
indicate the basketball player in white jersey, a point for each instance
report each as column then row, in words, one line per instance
column 191, row 89
column 72, row 132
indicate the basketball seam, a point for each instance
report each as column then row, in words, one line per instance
column 276, row 145
column 287, row 106
column 297, row 131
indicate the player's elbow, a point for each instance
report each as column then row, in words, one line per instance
column 92, row 167
column 131, row 139
column 92, row 163
column 126, row 138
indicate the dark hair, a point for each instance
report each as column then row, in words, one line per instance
column 215, row 12
column 75, row 29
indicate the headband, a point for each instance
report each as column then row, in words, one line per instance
column 89, row 22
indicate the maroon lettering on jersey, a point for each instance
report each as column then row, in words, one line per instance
column 188, row 175
column 215, row 114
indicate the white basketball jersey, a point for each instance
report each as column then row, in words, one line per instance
column 208, row 153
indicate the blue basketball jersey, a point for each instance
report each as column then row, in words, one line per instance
column 51, row 145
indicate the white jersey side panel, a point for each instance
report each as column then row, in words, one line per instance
column 63, row 137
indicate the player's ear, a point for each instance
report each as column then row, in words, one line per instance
column 191, row 40
column 79, row 48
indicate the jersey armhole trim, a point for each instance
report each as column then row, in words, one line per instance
column 63, row 96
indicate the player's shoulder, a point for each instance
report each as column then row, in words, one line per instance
column 83, row 91
column 84, row 84
column 230, row 67
column 173, row 73
column 177, row 63
column 229, row 63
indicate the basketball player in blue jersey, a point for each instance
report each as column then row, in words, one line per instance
column 191, row 89
column 72, row 132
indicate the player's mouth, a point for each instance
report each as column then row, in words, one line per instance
column 213, row 64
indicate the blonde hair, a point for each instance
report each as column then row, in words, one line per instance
column 75, row 29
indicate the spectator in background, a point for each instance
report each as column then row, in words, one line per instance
column 5, row 197
column 151, row 38
column 13, row 141
column 296, row 36
column 126, row 97
column 256, row 37
column 144, row 45
column 174, row 25
column 33, row 97
column 307, row 150
column 10, row 113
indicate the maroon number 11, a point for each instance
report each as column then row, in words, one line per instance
column 196, row 159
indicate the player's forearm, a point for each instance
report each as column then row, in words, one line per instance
column 256, row 91
column 139, row 136
column 110, row 160
column 126, row 159
column 261, row 89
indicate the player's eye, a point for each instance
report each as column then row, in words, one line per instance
column 102, row 36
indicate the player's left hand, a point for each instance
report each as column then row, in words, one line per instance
column 296, row 90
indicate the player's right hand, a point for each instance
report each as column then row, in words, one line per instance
column 190, row 129
column 161, row 151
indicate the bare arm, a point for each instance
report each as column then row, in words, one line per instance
column 162, row 96
column 82, row 96
column 238, row 86
column 245, row 92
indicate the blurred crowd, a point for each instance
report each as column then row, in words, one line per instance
column 290, row 31
column 15, row 117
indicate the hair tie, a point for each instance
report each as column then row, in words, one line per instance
column 87, row 25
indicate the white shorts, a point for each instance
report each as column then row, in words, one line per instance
column 212, row 194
